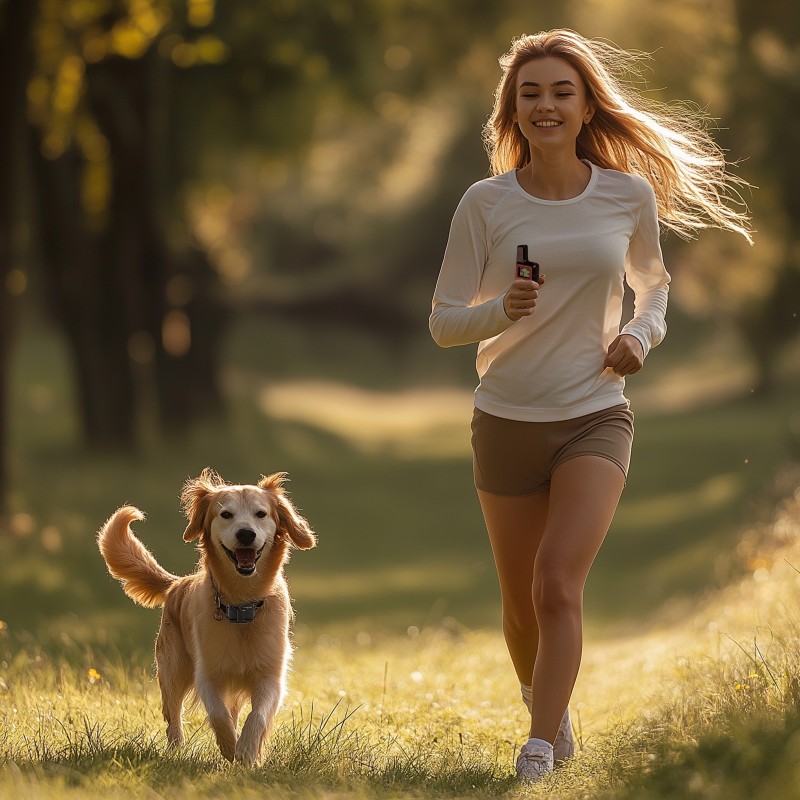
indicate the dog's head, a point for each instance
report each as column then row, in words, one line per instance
column 242, row 522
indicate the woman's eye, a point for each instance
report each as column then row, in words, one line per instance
column 226, row 515
column 261, row 514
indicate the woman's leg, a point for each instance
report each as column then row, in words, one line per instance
column 516, row 526
column 543, row 546
column 584, row 493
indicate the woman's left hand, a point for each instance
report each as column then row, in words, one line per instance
column 625, row 355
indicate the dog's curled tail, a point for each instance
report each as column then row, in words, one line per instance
column 143, row 579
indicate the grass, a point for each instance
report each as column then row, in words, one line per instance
column 703, row 709
column 402, row 687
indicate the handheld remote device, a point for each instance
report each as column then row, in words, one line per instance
column 527, row 270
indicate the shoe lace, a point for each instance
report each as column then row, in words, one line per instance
column 535, row 758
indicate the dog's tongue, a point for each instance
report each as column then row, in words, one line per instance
column 246, row 556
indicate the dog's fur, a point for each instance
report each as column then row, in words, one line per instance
column 226, row 663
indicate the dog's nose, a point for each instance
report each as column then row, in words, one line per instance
column 245, row 536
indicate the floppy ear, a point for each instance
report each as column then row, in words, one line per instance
column 290, row 522
column 195, row 499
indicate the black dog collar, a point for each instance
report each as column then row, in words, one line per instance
column 243, row 613
column 246, row 612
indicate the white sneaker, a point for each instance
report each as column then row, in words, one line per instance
column 535, row 760
column 564, row 745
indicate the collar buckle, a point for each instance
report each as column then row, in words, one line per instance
column 244, row 613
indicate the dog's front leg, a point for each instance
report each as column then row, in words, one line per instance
column 219, row 717
column 266, row 699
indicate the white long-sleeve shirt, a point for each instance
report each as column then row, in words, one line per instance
column 549, row 366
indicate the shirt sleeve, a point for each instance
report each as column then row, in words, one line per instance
column 457, row 317
column 648, row 278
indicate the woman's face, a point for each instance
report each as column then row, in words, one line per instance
column 551, row 103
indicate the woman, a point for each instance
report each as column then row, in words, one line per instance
column 583, row 171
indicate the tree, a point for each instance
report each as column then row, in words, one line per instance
column 755, row 86
column 131, row 103
column 101, row 133
column 16, row 19
column 767, row 77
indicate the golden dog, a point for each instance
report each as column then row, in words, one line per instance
column 225, row 629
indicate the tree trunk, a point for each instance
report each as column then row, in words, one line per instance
column 15, row 66
column 131, row 103
column 86, row 295
column 105, row 286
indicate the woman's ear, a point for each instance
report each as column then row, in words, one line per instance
column 195, row 499
column 290, row 523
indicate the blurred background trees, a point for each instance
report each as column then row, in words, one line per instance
column 767, row 79
column 169, row 166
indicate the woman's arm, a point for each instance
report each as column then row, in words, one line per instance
column 648, row 278
column 456, row 316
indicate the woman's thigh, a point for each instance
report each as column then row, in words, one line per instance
column 584, row 494
column 516, row 526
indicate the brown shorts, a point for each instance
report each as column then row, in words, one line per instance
column 518, row 458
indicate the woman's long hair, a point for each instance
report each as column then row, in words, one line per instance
column 667, row 145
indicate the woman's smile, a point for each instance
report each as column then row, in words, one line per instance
column 551, row 97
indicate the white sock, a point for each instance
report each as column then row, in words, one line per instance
column 527, row 696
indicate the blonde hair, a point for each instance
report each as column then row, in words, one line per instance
column 667, row 145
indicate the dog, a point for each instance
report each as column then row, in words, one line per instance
column 225, row 629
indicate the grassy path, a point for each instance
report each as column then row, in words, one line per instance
column 703, row 709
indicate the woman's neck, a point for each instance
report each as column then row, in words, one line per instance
column 555, row 178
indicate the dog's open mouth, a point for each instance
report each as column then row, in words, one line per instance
column 244, row 558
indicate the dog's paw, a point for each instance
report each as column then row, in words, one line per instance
column 246, row 754
column 227, row 746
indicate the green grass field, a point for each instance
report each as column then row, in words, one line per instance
column 401, row 685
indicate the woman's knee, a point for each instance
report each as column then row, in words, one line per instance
column 556, row 594
column 519, row 618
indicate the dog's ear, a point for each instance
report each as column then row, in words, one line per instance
column 290, row 523
column 195, row 499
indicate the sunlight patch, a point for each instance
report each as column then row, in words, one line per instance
column 672, row 507
column 413, row 423
column 376, row 582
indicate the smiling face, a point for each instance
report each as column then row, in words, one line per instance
column 551, row 103
column 242, row 525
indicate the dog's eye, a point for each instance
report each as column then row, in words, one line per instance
column 226, row 514
column 261, row 514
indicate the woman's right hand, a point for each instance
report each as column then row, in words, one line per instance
column 520, row 299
